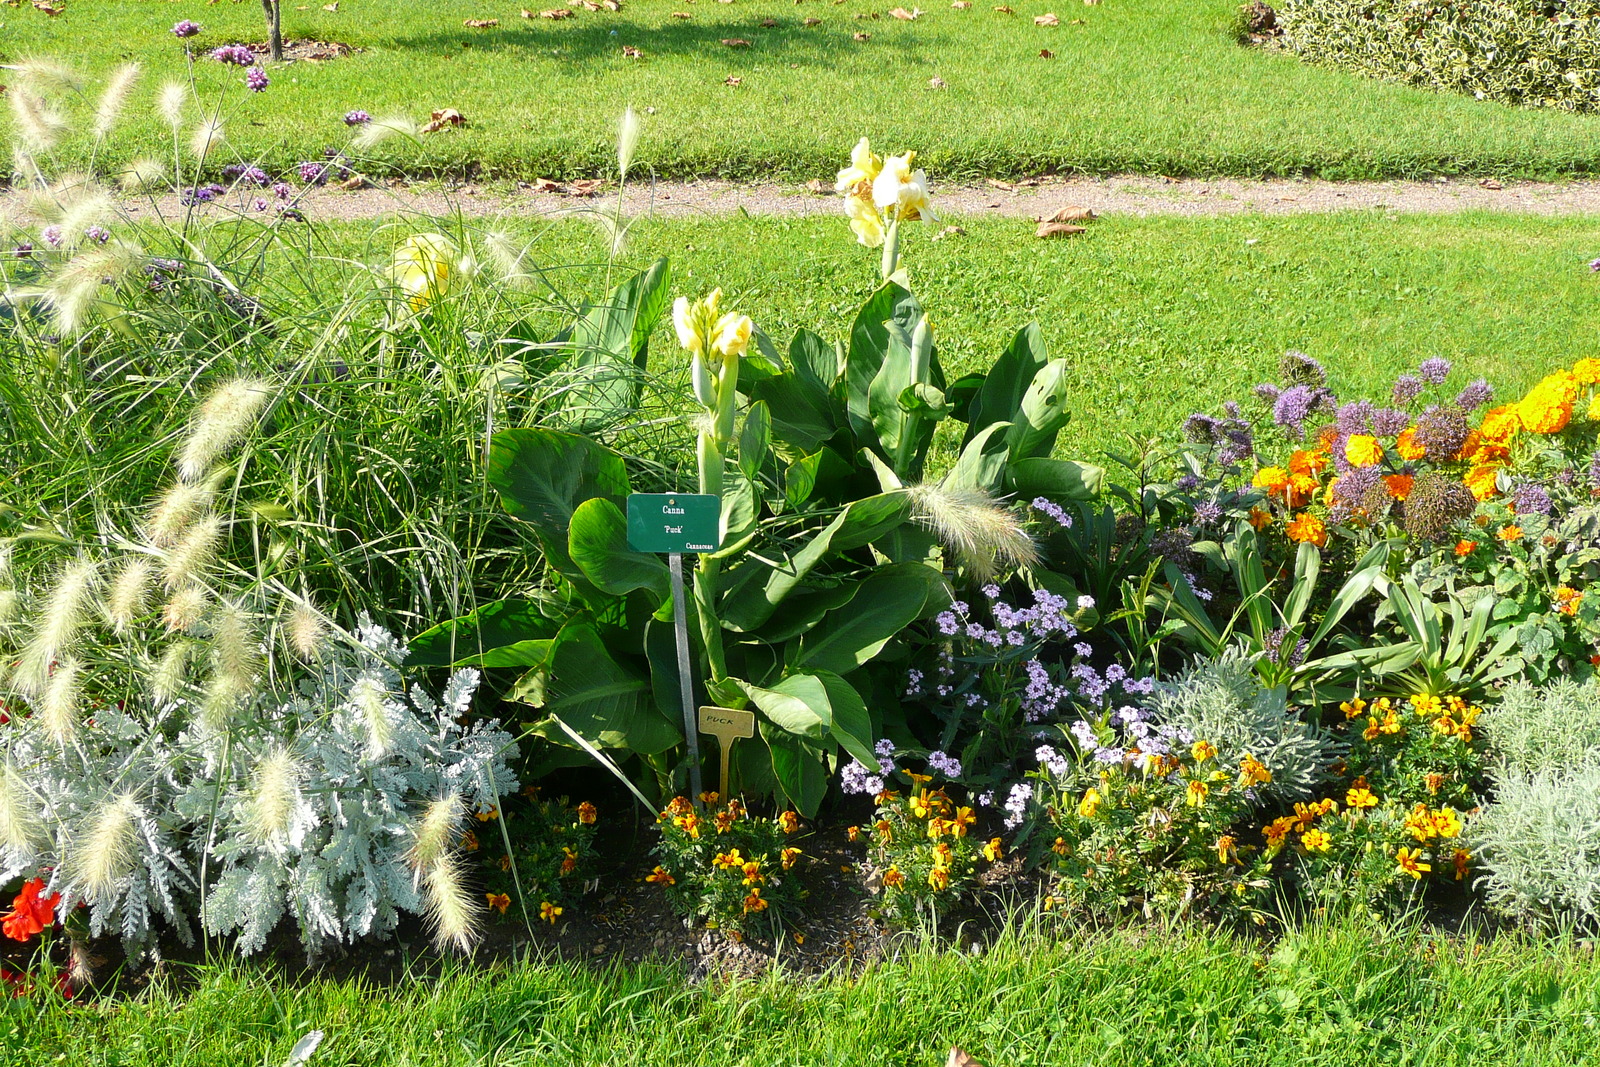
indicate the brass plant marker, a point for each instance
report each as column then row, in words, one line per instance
column 727, row 725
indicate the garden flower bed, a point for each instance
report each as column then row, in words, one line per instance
column 1311, row 652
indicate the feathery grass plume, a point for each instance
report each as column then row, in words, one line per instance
column 64, row 615
column 627, row 140
column 169, row 105
column 452, row 912
column 142, row 174
column 370, row 699
column 46, row 75
column 10, row 602
column 305, row 631
column 507, row 258
column 58, row 704
column 22, row 828
column 970, row 524
column 166, row 680
column 83, row 282
column 235, row 659
column 184, row 609
column 109, row 108
column 225, row 417
column 130, row 593
column 102, row 855
column 377, row 131
column 175, row 512
column 207, row 135
column 615, row 227
column 433, row 834
column 274, row 795
column 38, row 125
column 194, row 553
column 80, row 202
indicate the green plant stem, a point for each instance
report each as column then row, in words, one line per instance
column 891, row 250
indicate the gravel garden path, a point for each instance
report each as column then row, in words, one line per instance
column 1031, row 198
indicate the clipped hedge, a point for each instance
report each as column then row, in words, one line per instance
column 1534, row 53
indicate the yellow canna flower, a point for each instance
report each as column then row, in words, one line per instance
column 732, row 335
column 864, row 167
column 865, row 221
column 900, row 192
column 422, row 268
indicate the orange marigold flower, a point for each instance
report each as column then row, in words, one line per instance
column 499, row 902
column 1480, row 480
column 1302, row 487
column 788, row 856
column 1399, row 485
column 854, row 832
column 1464, row 548
column 1253, row 772
column 1510, row 532
column 753, row 902
column 1363, row 450
column 710, row 796
column 486, row 816
column 1419, row 824
column 1272, row 479
column 1567, row 599
column 1061, row 848
column 1500, row 424
column 1587, row 371
column 1432, row 781
column 1260, row 519
column 894, row 879
column 587, row 813
column 1410, row 862
column 1316, row 841
column 1307, row 462
column 752, row 873
column 661, row 877
column 1308, row 528
column 939, row 878
column 1406, row 445
column 728, row 860
column 679, row 806
column 992, row 851
column 1225, row 846
column 1459, row 860
column 504, row 863
column 789, row 822
column 469, row 841
column 1277, row 830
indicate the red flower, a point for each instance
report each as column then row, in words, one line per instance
column 30, row 913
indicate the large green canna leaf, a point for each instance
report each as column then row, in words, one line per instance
column 1041, row 414
column 543, row 475
column 999, row 398
column 506, row 633
column 1055, row 479
column 609, row 348
column 608, row 703
column 597, row 541
column 890, row 308
column 800, row 767
column 886, row 602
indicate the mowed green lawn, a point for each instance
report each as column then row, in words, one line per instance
column 1152, row 86
column 1158, row 316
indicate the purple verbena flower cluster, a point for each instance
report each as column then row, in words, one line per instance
column 1052, row 510
column 1434, row 370
column 185, row 28
column 201, row 194
column 256, row 80
column 356, row 118
column 237, row 54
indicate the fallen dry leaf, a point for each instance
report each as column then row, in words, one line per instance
column 1077, row 22
column 586, row 187
column 862, row 36
column 959, row 1058
column 481, row 24
column 1490, row 183
column 817, row 187
column 334, row 7
column 443, row 118
column 736, row 42
column 630, row 52
column 906, row 16
column 48, row 8
column 998, row 184
column 1057, row 229
column 544, row 185
column 768, row 24
column 556, row 13
column 1004, row 10
column 1045, row 53
column 682, row 15
column 1046, row 19
column 1091, row 3
column 961, row 5
column 1070, row 214
column 352, row 183
column 589, row 5
column 812, row 22
column 733, row 80
column 936, row 82
column 949, row 231
column 611, row 5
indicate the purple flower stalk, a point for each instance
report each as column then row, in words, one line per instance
column 313, row 173
column 24, row 249
column 1530, row 499
column 185, row 28
column 1407, row 388
column 52, row 236
column 256, row 80
column 1434, row 370
column 356, row 118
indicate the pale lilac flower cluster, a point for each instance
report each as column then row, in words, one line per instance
column 1017, row 804
column 1052, row 761
column 1407, row 388
column 246, row 174
column 201, row 194
column 1475, row 395
column 356, row 118
column 1434, row 370
column 98, row 234
column 1530, row 499
column 256, row 80
column 185, row 28
column 52, row 236
column 857, row 777
column 1049, row 618
column 1052, row 510
column 944, row 764
column 237, row 54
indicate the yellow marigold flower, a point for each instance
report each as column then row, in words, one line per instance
column 939, row 878
column 992, row 851
column 678, row 806
column 1587, row 371
column 1090, row 803
column 789, row 822
column 937, row 828
column 1061, row 848
column 549, row 912
column 1196, row 795
column 1425, row 704
column 1253, row 772
column 1302, row 487
column 1327, row 494
column 1260, row 519
column 728, row 860
column 587, row 814
column 1410, row 862
column 1567, row 600
column 1316, row 841
column 1406, row 444
column 1594, row 410
column 486, row 816
column 1500, row 424
column 1363, row 450
column 1202, row 751
column 1353, row 708
column 1307, row 527
column 1372, row 730
column 885, row 830
column 1447, row 823
column 1399, row 485
column 1278, row 829
column 1391, row 723
column 1419, row 824
column 854, row 832
column 1548, row 406
column 1432, row 781
column 1480, row 480
column 499, row 902
column 1272, row 479
column 753, row 902
column 1307, row 462
column 710, row 796
column 1510, row 532
column 894, row 879
column 689, row 824
column 1360, row 799
column 752, row 873
column 1459, row 860
column 789, row 856
column 1225, row 845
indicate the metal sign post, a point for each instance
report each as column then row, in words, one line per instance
column 676, row 523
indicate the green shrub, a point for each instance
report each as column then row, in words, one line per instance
column 1548, row 728
column 1544, row 54
column 1539, row 844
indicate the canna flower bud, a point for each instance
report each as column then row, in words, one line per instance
column 705, row 389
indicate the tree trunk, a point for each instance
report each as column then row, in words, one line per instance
column 274, row 29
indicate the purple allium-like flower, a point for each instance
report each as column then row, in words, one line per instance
column 1274, row 648
column 237, row 54
column 1207, row 512
column 98, row 234
column 282, row 190
column 1293, row 407
column 1298, row 368
column 1594, row 470
column 256, row 80
column 1353, row 486
column 24, row 249
column 1386, row 422
column 1475, row 395
column 1267, row 393
column 259, row 204
column 1241, row 443
column 1434, row 370
column 1200, row 428
column 185, row 28
column 313, row 173
column 1354, row 417
column 1187, row 482
column 52, row 236
column 1441, row 431
column 1594, row 264
column 356, row 118
column 1407, row 388
column 1530, row 499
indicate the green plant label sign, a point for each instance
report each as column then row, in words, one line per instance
column 673, row 522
